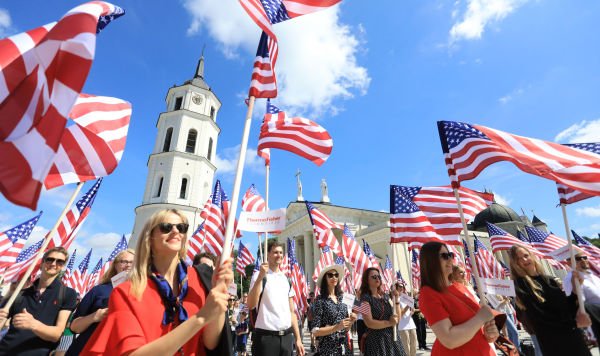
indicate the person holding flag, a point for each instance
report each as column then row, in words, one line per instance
column 461, row 326
column 331, row 321
column 164, row 308
column 94, row 306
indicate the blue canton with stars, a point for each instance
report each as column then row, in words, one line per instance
column 536, row 235
column 408, row 192
column 29, row 251
column 467, row 255
column 272, row 109
column 103, row 21
column 275, row 10
column 494, row 230
column 456, row 132
column 83, row 265
column 291, row 245
column 122, row 245
column 522, row 237
column 400, row 204
column 71, row 262
column 580, row 240
column 367, row 249
column 589, row 147
column 88, row 198
column 22, row 231
column 388, row 263
column 339, row 260
column 263, row 47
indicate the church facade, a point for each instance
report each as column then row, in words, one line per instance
column 181, row 167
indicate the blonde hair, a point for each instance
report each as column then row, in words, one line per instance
column 112, row 270
column 518, row 271
column 143, row 251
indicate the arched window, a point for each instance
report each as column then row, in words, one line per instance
column 159, row 188
column 190, row 146
column 212, row 113
column 167, row 144
column 209, row 154
column 183, row 189
column 178, row 102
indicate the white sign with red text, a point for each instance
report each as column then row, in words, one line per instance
column 265, row 221
column 504, row 287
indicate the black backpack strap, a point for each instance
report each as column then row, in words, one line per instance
column 264, row 283
column 61, row 294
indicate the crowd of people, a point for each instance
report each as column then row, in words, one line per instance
column 165, row 307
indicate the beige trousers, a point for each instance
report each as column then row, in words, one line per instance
column 409, row 341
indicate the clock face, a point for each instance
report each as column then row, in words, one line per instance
column 197, row 99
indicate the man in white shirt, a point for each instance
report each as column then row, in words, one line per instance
column 276, row 327
column 590, row 288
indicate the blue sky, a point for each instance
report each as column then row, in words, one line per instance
column 377, row 76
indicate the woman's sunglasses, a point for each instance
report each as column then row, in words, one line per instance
column 580, row 258
column 376, row 276
column 447, row 255
column 51, row 260
column 332, row 275
column 165, row 228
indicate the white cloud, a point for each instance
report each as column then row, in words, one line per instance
column 585, row 131
column 317, row 54
column 512, row 95
column 479, row 14
column 589, row 211
column 226, row 161
column 5, row 23
column 502, row 200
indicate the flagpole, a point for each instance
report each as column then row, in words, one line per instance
column 572, row 257
column 409, row 266
column 40, row 253
column 470, row 242
column 237, row 182
column 267, row 173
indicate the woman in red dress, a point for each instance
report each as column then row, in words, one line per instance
column 461, row 326
column 164, row 309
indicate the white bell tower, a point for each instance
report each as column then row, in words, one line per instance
column 181, row 167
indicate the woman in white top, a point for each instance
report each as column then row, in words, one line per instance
column 406, row 326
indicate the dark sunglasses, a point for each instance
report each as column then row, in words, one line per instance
column 165, row 228
column 332, row 275
column 375, row 276
column 51, row 260
column 447, row 255
column 580, row 258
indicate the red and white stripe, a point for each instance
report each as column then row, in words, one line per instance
column 502, row 240
column 575, row 168
column 298, row 135
column 325, row 260
column 196, row 243
column 415, row 270
column 42, row 73
column 569, row 195
column 487, row 265
column 93, row 147
column 263, row 82
column 322, row 226
column 244, row 259
column 303, row 7
column 354, row 254
column 252, row 201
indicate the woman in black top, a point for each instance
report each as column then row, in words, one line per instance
column 551, row 315
column 331, row 321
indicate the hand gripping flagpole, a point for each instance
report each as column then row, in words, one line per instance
column 572, row 257
column 40, row 253
column 235, row 195
column 470, row 242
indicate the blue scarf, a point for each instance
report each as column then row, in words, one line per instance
column 173, row 304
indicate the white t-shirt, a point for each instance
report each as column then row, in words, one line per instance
column 590, row 286
column 406, row 322
column 274, row 310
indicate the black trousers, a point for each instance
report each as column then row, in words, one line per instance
column 421, row 325
column 361, row 328
column 270, row 345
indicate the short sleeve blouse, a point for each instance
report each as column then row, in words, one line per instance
column 132, row 323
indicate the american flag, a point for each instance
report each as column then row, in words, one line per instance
column 543, row 241
column 569, row 195
column 399, row 278
column 284, row 266
column 388, row 274
column 13, row 240
column 369, row 253
column 244, row 259
column 487, row 265
column 121, row 246
column 355, row 255
column 361, row 307
column 216, row 221
column 67, row 278
column 416, row 270
column 436, row 208
column 500, row 239
column 468, row 149
column 322, row 226
column 296, row 276
column 196, row 242
column 468, row 266
column 270, row 12
column 41, row 78
column 586, row 246
column 326, row 259
column 297, row 135
column 263, row 83
column 80, row 275
column 256, row 266
column 93, row 277
column 93, row 147
column 22, row 262
column 541, row 253
column 304, row 283
column 339, row 260
column 252, row 201
column 73, row 220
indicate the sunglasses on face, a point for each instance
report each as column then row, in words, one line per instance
column 51, row 260
column 376, row 277
column 447, row 255
column 580, row 258
column 165, row 228
column 332, row 275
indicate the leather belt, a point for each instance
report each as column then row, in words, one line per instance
column 274, row 332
